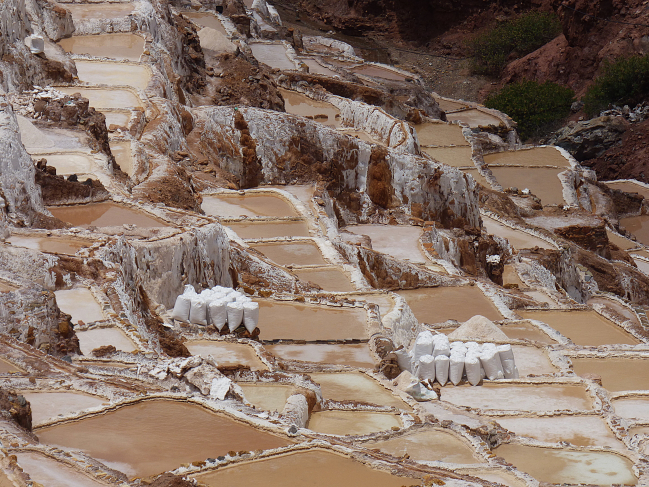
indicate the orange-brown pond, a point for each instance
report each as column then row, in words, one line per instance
column 473, row 118
column 587, row 328
column 292, row 253
column 359, row 423
column 429, row 445
column 255, row 230
column 355, row 386
column 622, row 242
column 269, row 397
column 101, row 337
column 442, row 134
column 80, row 304
column 57, row 245
column 538, row 156
column 617, row 373
column 451, row 106
column 451, row 156
column 398, row 241
column 571, row 467
column 510, row 276
column 137, row 439
column 105, row 214
column 49, row 405
column 638, row 226
column 352, row 354
column 226, row 353
column 7, row 367
column 315, row 468
column 524, row 330
column 517, row 238
column 320, row 111
column 49, row 472
column 235, row 206
column 127, row 47
column 330, row 279
column 578, row 430
column 630, row 187
column 438, row 304
column 543, row 182
column 524, row 397
column 378, row 72
column 473, row 172
column 293, row 321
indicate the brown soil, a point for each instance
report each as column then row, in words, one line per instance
column 59, row 190
column 170, row 480
column 17, row 408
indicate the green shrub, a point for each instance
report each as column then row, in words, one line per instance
column 624, row 82
column 517, row 37
column 534, row 106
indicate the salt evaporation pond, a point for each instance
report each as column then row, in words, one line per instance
column 206, row 19
column 235, row 206
column 572, row 467
column 428, row 445
column 120, row 118
column 523, row 330
column 269, row 397
column 358, row 423
column 136, row 439
column 622, row 242
column 440, row 134
column 524, row 397
column 293, row 321
column 106, row 214
column 80, row 303
column 122, row 152
column 621, row 309
column 450, row 105
column 475, row 174
column 617, row 373
column 398, row 241
column 378, row 72
column 638, row 226
column 355, row 386
column 316, row 68
column 352, row 354
column 587, row 328
column 383, row 300
column 510, row 276
column 517, row 238
column 227, row 353
column 116, row 74
column 51, row 473
column 330, row 279
column 538, row 156
column 473, row 118
column 451, row 156
column 532, row 361
column 100, row 10
column 122, row 47
column 56, row 245
column 83, row 165
column 543, row 182
column 49, row 405
column 258, row 230
column 439, row 304
column 578, row 430
column 293, row 253
column 630, row 187
column 634, row 407
column 315, row 468
column 105, row 97
column 274, row 55
column 101, row 337
column 320, row 111
column 8, row 367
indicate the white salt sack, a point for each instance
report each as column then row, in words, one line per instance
column 183, row 304
column 426, row 368
column 423, row 346
column 507, row 359
column 235, row 315
column 218, row 313
column 198, row 311
column 442, row 364
column 472, row 368
column 441, row 345
column 250, row 315
column 456, row 368
column 490, row 360
column 404, row 359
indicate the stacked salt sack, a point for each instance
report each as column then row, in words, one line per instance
column 218, row 306
column 434, row 357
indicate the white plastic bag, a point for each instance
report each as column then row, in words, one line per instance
column 426, row 368
column 404, row 359
column 456, row 367
column 198, row 311
column 235, row 315
column 423, row 346
column 442, row 363
column 218, row 313
column 472, row 368
column 250, row 315
column 441, row 345
column 490, row 360
column 507, row 359
column 183, row 304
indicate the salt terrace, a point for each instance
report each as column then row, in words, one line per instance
column 302, row 288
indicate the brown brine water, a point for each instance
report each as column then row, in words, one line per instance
column 104, row 215
column 439, row 304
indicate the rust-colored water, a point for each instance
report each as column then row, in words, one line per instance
column 127, row 47
column 436, row 305
column 562, row 466
column 526, row 331
column 320, row 111
column 310, row 322
column 352, row 354
column 538, row 156
column 106, row 214
column 543, row 182
column 344, row 423
column 583, row 327
column 432, row 133
column 355, row 386
column 328, row 278
column 226, row 353
column 292, row 253
column 48, row 244
column 250, row 230
column 638, row 226
column 451, row 156
column 315, row 468
column 153, row 436
column 618, row 374
column 234, row 206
